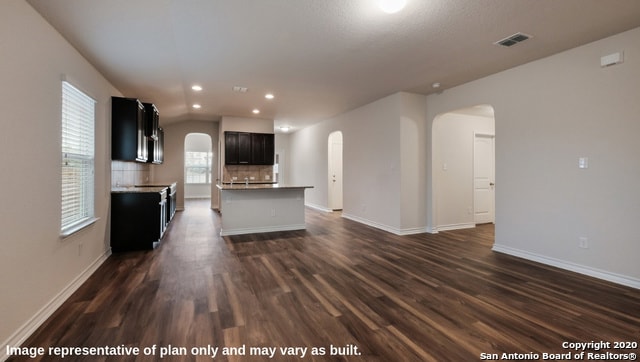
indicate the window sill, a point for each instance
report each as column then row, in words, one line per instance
column 70, row 230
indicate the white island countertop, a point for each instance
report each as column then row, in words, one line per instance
column 255, row 186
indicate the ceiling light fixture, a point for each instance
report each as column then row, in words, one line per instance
column 196, row 88
column 392, row 6
column 435, row 85
column 285, row 128
column 256, row 111
column 197, row 106
column 269, row 96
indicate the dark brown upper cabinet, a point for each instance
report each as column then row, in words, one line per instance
column 128, row 127
column 156, row 148
column 154, row 134
column 243, row 148
column 152, row 121
column 262, row 148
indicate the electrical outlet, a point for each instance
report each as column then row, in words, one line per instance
column 252, row 178
column 267, row 177
column 583, row 242
column 234, row 178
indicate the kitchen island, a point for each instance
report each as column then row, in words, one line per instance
column 259, row 208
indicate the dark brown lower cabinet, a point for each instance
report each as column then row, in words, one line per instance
column 138, row 220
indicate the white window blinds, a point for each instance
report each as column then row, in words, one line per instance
column 78, row 120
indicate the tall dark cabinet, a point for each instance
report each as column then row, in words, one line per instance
column 154, row 134
column 128, row 132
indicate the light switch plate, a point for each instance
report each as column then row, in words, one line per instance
column 583, row 162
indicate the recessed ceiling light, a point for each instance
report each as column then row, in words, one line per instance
column 436, row 85
column 256, row 111
column 269, row 96
column 196, row 106
column 196, row 88
column 391, row 6
column 285, row 128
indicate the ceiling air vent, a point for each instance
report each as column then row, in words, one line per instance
column 513, row 39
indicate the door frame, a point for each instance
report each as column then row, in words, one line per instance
column 493, row 172
column 331, row 205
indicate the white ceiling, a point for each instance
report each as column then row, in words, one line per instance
column 319, row 57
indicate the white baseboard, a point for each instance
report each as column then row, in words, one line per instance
column 21, row 335
column 432, row 229
column 318, row 207
column 390, row 229
column 562, row 264
column 450, row 227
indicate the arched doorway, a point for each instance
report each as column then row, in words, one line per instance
column 463, row 168
column 198, row 161
column 335, row 171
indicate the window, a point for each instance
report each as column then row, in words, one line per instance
column 197, row 166
column 78, row 120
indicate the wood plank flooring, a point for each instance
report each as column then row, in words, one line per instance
column 376, row 296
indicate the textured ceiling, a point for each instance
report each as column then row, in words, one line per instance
column 319, row 57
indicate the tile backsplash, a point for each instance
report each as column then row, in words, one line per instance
column 129, row 173
column 259, row 173
column 134, row 173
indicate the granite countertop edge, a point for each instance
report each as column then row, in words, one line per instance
column 142, row 188
column 138, row 190
column 242, row 186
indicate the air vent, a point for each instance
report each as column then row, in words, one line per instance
column 513, row 39
column 240, row 89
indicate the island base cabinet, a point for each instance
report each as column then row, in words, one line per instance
column 138, row 220
column 261, row 210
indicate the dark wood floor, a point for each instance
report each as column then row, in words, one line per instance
column 444, row 297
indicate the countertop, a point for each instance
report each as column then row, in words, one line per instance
column 243, row 186
column 132, row 189
column 157, row 184
column 150, row 187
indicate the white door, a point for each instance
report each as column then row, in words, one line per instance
column 335, row 170
column 484, row 179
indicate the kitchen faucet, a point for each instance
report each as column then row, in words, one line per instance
column 246, row 181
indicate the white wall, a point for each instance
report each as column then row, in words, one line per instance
column 549, row 113
column 172, row 169
column 381, row 162
column 453, row 143
column 413, row 161
column 282, row 149
column 38, row 270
